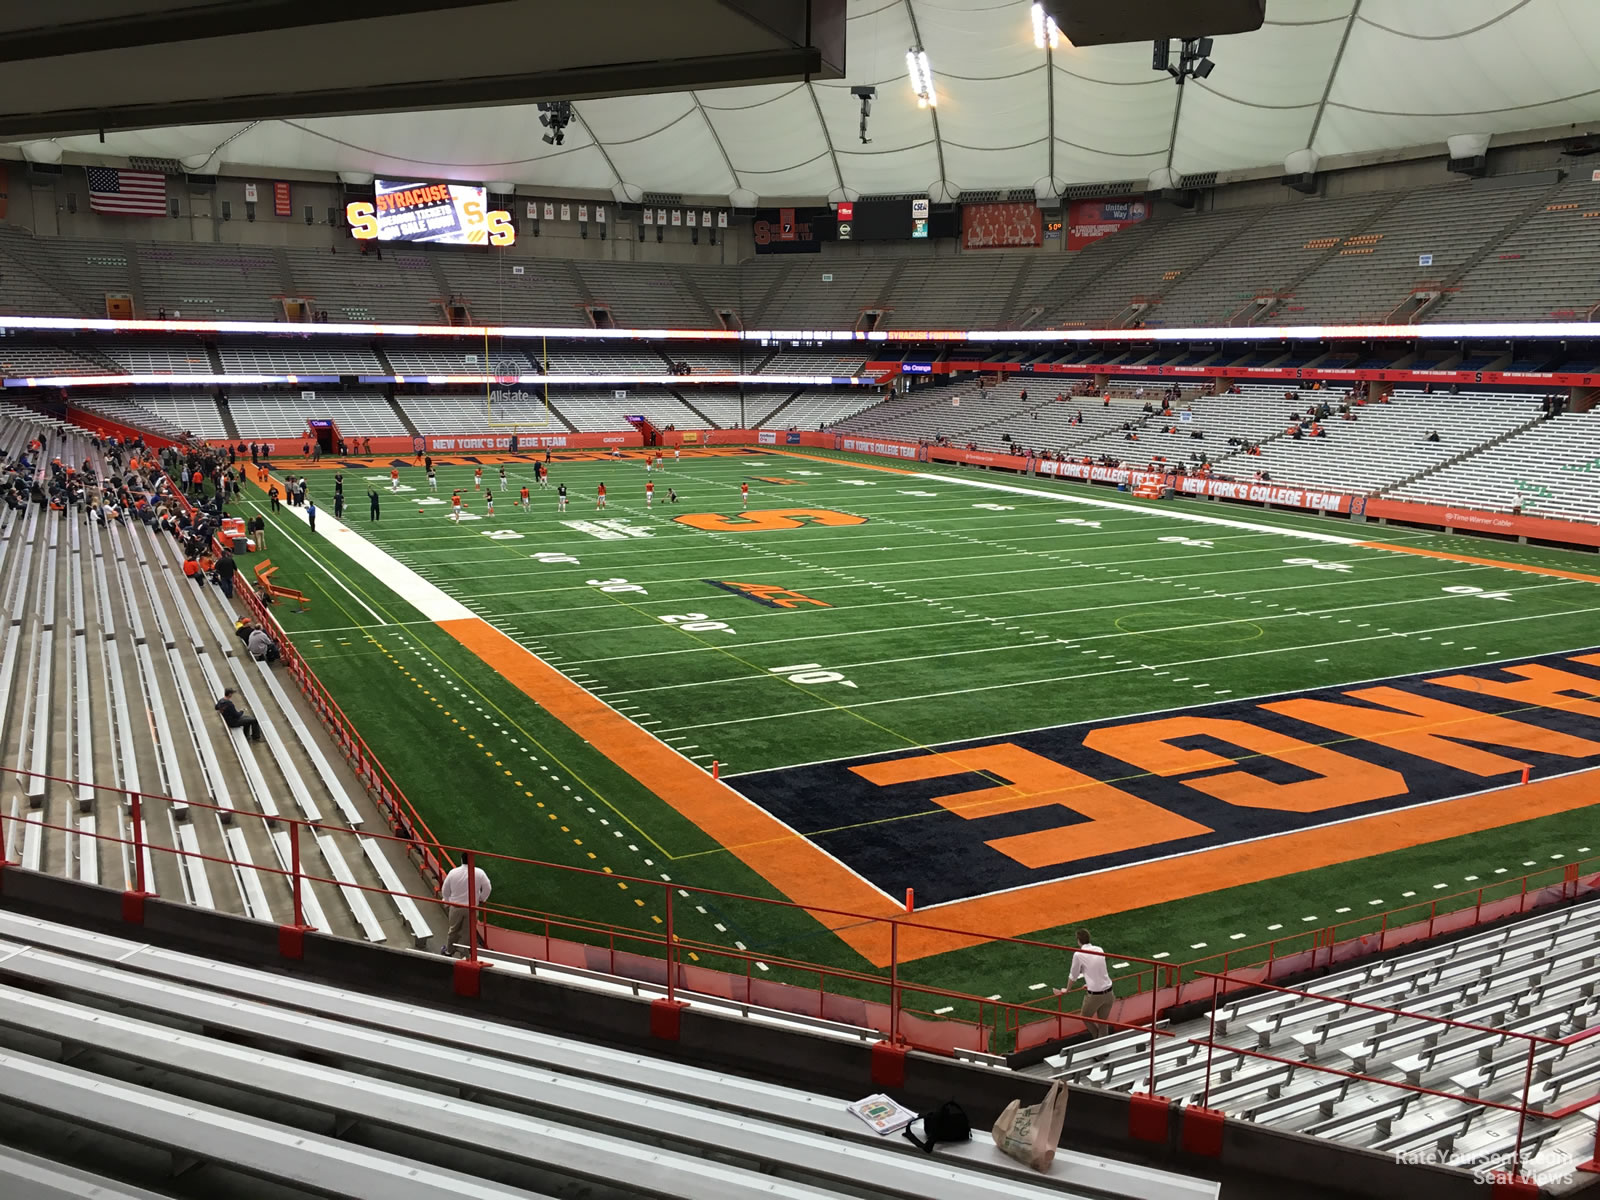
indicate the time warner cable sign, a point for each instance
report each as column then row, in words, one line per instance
column 452, row 213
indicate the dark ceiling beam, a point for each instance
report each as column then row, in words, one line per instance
column 620, row 79
column 233, row 19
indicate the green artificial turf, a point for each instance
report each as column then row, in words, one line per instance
column 956, row 613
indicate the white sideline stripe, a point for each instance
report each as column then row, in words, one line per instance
column 426, row 598
column 1196, row 518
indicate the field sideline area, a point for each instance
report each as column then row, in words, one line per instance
column 1196, row 726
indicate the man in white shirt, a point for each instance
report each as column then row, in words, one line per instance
column 1089, row 965
column 453, row 895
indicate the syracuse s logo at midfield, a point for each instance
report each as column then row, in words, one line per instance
column 762, row 520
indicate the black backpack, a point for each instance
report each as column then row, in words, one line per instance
column 947, row 1123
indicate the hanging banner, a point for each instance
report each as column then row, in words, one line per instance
column 661, row 216
column 677, row 216
column 583, row 212
column 722, row 219
column 566, row 212
column 549, row 211
column 249, row 193
column 691, row 218
column 1090, row 220
column 282, row 203
column 1001, row 226
column 705, row 218
column 533, row 210
column 600, row 213
column 649, row 216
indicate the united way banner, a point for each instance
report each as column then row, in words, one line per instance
column 1090, row 220
column 1001, row 226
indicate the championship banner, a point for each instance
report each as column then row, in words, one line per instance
column 1090, row 220
column 282, row 205
column 1001, row 226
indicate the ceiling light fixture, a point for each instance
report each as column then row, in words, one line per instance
column 921, row 77
column 1194, row 59
column 555, row 117
column 1045, row 30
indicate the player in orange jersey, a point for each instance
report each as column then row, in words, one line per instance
column 524, row 500
column 600, row 497
column 649, row 493
column 455, row 508
column 477, row 478
column 744, row 494
column 394, row 479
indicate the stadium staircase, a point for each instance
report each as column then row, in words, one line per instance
column 1137, row 312
column 778, row 287
column 1448, row 285
column 1318, row 261
column 405, row 418
column 772, row 417
column 286, row 280
column 681, row 399
column 1465, row 454
column 225, row 411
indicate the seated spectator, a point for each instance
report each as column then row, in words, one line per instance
column 262, row 647
column 235, row 719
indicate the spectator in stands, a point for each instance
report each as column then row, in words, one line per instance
column 1432, row 436
column 225, row 569
column 236, row 719
column 262, row 647
column 1089, row 965
column 454, row 896
column 242, row 629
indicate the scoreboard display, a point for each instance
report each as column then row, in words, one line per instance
column 452, row 213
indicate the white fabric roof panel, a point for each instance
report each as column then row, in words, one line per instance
column 1332, row 76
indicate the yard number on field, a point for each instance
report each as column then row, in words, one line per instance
column 697, row 623
column 811, row 673
column 615, row 585
column 1078, row 521
column 501, row 535
column 1316, row 564
column 552, row 557
column 992, row 507
column 1183, row 541
column 1462, row 589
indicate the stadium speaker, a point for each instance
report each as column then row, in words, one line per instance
column 1477, row 166
column 1304, row 181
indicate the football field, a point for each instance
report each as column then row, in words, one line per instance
column 1194, row 726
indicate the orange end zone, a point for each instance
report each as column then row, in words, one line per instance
column 1483, row 562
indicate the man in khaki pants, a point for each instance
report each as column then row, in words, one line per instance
column 1089, row 965
column 453, row 894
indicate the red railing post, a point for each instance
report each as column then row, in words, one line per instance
column 138, row 844
column 1155, row 991
column 1522, row 1117
column 468, row 857
column 1211, row 1042
column 295, row 874
column 894, row 983
column 672, row 970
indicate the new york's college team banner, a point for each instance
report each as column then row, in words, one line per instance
column 1090, row 220
column 1001, row 226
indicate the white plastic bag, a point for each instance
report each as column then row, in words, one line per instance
column 1030, row 1134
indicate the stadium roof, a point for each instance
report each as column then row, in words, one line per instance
column 1340, row 81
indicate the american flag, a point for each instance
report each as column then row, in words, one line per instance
column 137, row 193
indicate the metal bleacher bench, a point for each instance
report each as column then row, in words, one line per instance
column 530, row 1101
column 24, row 1175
